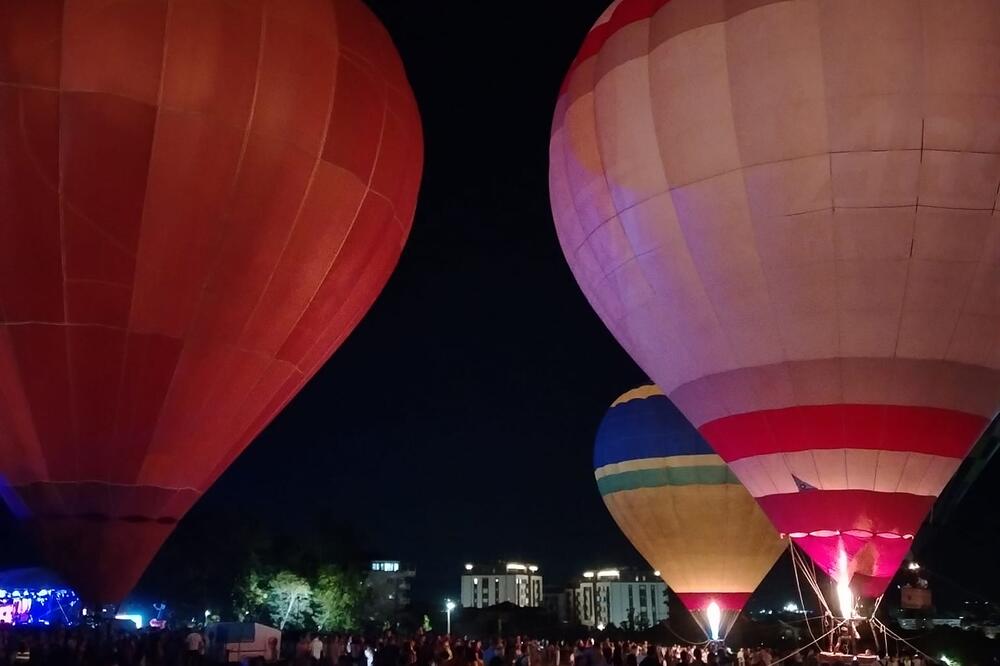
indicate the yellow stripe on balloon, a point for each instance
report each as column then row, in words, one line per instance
column 640, row 393
column 700, row 537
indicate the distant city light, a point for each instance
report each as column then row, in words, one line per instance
column 468, row 567
column 656, row 573
column 532, row 568
column 30, row 606
column 588, row 574
column 516, row 566
column 449, row 606
column 135, row 619
column 600, row 626
column 608, row 573
column 791, row 607
column 913, row 566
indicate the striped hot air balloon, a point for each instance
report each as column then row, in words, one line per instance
column 682, row 508
column 786, row 212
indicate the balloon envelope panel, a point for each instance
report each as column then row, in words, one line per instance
column 680, row 505
column 202, row 198
column 785, row 211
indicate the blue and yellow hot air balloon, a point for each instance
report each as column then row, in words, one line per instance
column 682, row 508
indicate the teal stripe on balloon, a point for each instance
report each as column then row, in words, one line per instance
column 706, row 475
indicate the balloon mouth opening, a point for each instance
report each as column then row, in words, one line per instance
column 860, row 534
column 714, row 615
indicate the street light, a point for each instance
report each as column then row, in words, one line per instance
column 449, row 606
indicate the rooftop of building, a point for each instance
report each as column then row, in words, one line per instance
column 391, row 566
column 620, row 574
column 502, row 567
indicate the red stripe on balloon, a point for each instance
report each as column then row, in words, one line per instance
column 930, row 430
column 866, row 512
column 629, row 11
column 695, row 601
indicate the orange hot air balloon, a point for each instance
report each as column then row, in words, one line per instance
column 786, row 212
column 201, row 199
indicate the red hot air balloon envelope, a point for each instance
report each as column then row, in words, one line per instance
column 786, row 212
column 200, row 199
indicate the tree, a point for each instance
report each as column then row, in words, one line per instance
column 288, row 600
column 337, row 599
column 250, row 596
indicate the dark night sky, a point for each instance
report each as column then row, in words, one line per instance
column 456, row 423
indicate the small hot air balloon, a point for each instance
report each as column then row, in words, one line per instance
column 786, row 212
column 200, row 200
column 682, row 508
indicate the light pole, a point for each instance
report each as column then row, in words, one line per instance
column 449, row 606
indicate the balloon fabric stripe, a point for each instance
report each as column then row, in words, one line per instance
column 708, row 475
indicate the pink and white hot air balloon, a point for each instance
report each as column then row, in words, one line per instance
column 786, row 212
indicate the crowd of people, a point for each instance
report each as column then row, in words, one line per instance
column 103, row 646
column 428, row 650
column 92, row 646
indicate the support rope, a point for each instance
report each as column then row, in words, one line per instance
column 809, row 645
column 905, row 642
column 802, row 603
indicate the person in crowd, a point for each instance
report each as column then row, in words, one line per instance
column 316, row 648
column 649, row 659
column 194, row 647
column 473, row 657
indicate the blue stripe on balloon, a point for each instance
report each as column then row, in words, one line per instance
column 646, row 428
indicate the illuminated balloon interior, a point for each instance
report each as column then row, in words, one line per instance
column 714, row 614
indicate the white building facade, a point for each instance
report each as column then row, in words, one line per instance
column 513, row 582
column 629, row 599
